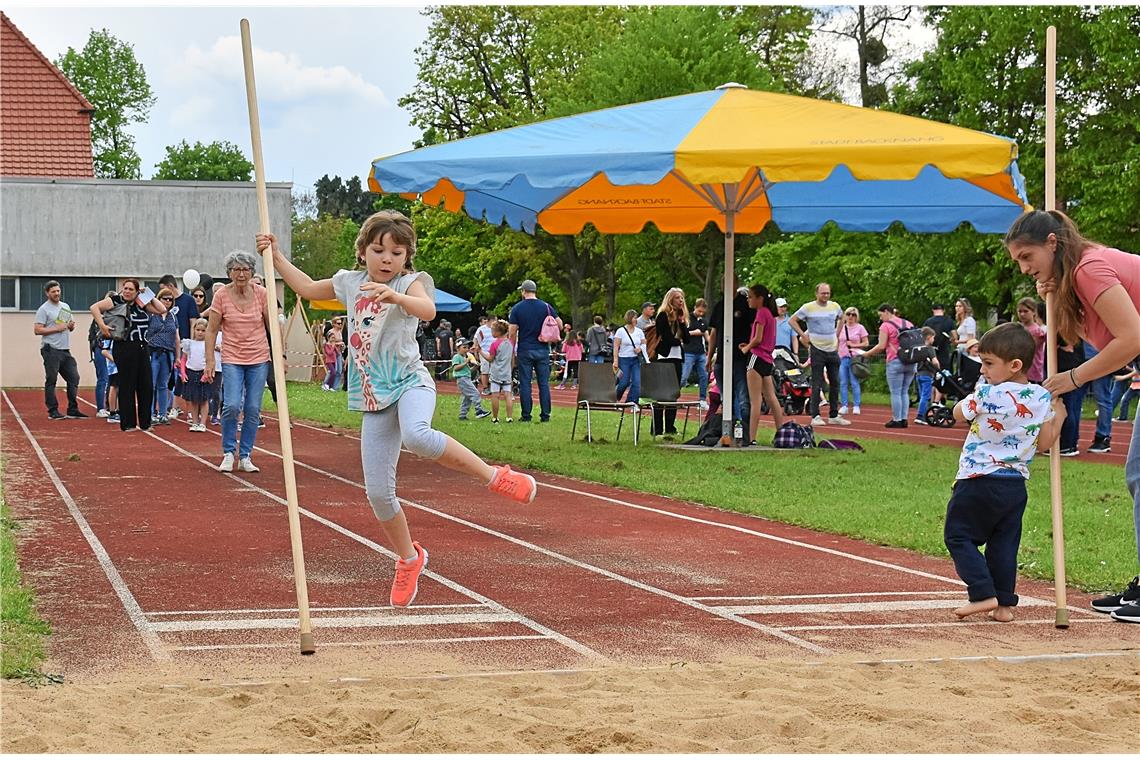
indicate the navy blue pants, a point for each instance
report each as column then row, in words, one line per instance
column 986, row 510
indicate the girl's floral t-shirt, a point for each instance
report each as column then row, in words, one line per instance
column 383, row 355
column 1005, row 420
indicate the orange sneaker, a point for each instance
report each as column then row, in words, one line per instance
column 407, row 580
column 514, row 485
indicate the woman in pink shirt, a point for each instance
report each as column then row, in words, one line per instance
column 853, row 340
column 1027, row 316
column 1097, row 298
column 759, row 349
column 241, row 310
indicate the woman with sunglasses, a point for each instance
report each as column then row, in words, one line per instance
column 240, row 310
column 162, row 337
column 130, row 354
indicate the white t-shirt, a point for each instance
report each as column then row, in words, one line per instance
column 624, row 347
column 1005, row 421
column 967, row 329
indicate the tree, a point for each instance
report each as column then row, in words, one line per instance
column 220, row 161
column 867, row 26
column 322, row 246
column 108, row 74
column 344, row 198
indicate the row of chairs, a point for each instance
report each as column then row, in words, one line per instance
column 597, row 392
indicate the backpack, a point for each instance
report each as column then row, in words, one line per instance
column 793, row 435
column 839, row 444
column 118, row 320
column 94, row 337
column 549, row 332
column 912, row 345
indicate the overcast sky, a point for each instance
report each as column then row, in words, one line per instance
column 328, row 78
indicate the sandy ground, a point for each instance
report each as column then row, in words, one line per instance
column 737, row 705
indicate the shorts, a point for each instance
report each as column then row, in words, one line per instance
column 484, row 366
column 496, row 387
column 759, row 366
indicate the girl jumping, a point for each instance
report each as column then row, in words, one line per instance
column 386, row 299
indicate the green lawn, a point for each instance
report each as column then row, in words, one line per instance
column 893, row 493
column 22, row 632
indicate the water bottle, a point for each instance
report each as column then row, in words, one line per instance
column 738, row 433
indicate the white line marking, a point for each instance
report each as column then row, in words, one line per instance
column 469, row 593
column 576, row 563
column 957, row 624
column 914, row 604
column 313, row 610
column 829, row 596
column 1013, row 659
column 130, row 605
column 382, row 642
column 250, row 624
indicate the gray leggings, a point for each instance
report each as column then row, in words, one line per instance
column 406, row 422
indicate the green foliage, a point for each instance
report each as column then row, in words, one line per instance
column 322, row 246
column 22, row 631
column 111, row 78
column 220, row 161
column 344, row 198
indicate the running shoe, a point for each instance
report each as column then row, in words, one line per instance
column 817, row 420
column 1072, row 451
column 75, row 414
column 481, row 414
column 1127, row 613
column 1100, row 445
column 102, row 413
column 407, row 580
column 1113, row 602
column 227, row 464
column 55, row 415
column 246, row 464
column 514, row 485
column 856, row 410
column 843, row 409
column 839, row 421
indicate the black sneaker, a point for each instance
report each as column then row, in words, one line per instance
column 1128, row 613
column 1114, row 602
column 1070, row 452
column 75, row 414
column 481, row 414
column 1101, row 445
column 55, row 415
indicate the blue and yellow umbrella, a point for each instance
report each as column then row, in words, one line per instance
column 735, row 157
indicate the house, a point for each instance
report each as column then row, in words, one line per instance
column 60, row 222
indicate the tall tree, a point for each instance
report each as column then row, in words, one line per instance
column 220, row 161
column 108, row 74
column 867, row 26
column 344, row 198
column 322, row 246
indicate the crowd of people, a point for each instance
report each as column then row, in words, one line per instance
column 157, row 353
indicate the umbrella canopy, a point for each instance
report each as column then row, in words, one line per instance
column 444, row 301
column 735, row 157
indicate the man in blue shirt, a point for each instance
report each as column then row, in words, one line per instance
column 533, row 356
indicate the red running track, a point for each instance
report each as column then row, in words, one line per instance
column 140, row 550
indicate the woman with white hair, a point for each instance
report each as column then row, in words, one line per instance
column 241, row 310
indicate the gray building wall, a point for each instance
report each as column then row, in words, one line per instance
column 122, row 228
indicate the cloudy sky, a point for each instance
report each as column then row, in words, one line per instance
column 327, row 78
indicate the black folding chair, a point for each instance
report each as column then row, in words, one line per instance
column 659, row 384
column 597, row 392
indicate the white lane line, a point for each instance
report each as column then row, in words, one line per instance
column 804, row 609
column 858, row 594
column 250, row 624
column 447, row 582
column 1015, row 659
column 130, row 605
column 956, row 624
column 777, row 633
column 374, row 643
column 312, row 610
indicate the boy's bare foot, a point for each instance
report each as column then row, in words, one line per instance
column 985, row 605
column 1002, row 614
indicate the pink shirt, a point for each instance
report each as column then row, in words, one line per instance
column 1037, row 370
column 1099, row 269
column 846, row 332
column 767, row 323
column 246, row 341
column 893, row 328
column 573, row 351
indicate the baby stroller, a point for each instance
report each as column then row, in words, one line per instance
column 953, row 388
column 793, row 385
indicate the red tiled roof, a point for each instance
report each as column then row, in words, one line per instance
column 45, row 123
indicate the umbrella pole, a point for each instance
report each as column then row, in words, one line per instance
column 307, row 645
column 1061, row 619
column 726, row 382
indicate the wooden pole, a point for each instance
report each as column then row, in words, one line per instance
column 307, row 645
column 1061, row 619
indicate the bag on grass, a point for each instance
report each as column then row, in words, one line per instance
column 793, row 435
column 839, row 444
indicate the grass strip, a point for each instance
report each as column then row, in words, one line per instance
column 892, row 494
column 22, row 632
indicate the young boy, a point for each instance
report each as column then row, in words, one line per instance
column 461, row 371
column 1010, row 420
column 927, row 369
column 501, row 356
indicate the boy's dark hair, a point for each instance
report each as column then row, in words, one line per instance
column 597, row 319
column 382, row 223
column 1009, row 341
column 168, row 281
column 51, row 284
column 928, row 332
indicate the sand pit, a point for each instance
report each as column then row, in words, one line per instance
column 739, row 705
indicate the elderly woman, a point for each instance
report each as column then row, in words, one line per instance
column 240, row 310
column 130, row 353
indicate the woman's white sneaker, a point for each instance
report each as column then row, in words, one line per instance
column 246, row 464
column 227, row 464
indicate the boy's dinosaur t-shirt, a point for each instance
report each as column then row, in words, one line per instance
column 1005, row 420
column 383, row 355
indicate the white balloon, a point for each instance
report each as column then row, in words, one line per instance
column 191, row 278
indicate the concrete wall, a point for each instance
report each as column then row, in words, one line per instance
column 118, row 228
